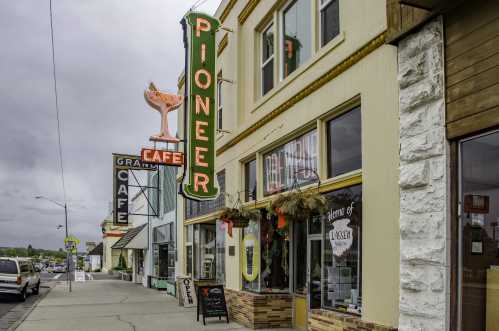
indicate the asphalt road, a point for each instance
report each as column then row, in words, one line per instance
column 8, row 302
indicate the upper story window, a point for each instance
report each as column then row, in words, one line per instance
column 329, row 20
column 219, row 103
column 292, row 164
column 344, row 143
column 296, row 39
column 267, row 65
column 250, row 180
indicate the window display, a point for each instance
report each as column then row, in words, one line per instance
column 342, row 278
column 266, row 255
column 204, row 251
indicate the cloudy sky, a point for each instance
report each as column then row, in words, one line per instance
column 107, row 51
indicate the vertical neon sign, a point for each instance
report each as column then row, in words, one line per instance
column 201, row 84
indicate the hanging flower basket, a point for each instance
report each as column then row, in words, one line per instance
column 239, row 217
column 298, row 206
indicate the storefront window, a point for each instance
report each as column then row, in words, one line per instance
column 294, row 163
column 342, row 278
column 204, row 251
column 250, row 180
column 250, row 253
column 300, row 260
column 265, row 257
column 344, row 143
column 164, row 251
column 220, row 255
column 479, row 233
column 297, row 33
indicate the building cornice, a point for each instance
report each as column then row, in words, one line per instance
column 247, row 10
column 222, row 44
column 227, row 10
column 334, row 72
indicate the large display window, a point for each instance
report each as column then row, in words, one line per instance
column 342, row 259
column 294, row 163
column 266, row 257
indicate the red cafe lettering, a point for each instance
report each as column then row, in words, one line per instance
column 163, row 157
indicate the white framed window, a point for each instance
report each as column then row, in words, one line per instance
column 219, row 103
column 329, row 17
column 267, row 58
column 296, row 35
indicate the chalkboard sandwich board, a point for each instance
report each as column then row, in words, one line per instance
column 211, row 302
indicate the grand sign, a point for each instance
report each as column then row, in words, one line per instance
column 200, row 179
column 121, row 166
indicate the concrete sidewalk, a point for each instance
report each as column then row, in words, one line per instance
column 112, row 305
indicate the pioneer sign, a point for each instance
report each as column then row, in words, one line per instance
column 199, row 32
column 121, row 166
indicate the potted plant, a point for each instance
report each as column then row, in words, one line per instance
column 296, row 206
column 239, row 217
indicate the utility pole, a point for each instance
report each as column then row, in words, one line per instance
column 68, row 278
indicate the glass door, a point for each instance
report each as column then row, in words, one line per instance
column 314, row 272
column 479, row 233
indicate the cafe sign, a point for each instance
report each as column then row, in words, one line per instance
column 199, row 32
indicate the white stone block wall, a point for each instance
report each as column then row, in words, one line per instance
column 423, row 181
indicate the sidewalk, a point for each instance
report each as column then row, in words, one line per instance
column 112, row 305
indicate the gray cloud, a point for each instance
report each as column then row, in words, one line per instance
column 106, row 52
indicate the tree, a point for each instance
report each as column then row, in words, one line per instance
column 29, row 252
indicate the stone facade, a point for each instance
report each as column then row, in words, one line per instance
column 423, row 181
column 325, row 320
column 260, row 311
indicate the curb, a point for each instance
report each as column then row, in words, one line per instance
column 26, row 314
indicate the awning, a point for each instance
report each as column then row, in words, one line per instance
column 139, row 241
column 127, row 240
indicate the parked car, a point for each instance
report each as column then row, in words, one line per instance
column 58, row 268
column 50, row 268
column 18, row 276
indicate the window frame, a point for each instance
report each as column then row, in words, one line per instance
column 263, row 63
column 320, row 8
column 328, row 152
column 247, row 196
column 284, row 8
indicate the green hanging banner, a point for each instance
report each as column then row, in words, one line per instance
column 199, row 38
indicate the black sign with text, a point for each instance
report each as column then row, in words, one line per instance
column 211, row 302
column 121, row 194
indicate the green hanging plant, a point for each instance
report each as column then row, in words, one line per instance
column 298, row 206
column 240, row 217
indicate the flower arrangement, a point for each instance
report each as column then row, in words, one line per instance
column 297, row 206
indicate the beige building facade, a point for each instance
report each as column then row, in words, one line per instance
column 308, row 100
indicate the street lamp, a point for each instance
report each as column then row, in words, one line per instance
column 65, row 206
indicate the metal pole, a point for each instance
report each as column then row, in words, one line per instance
column 68, row 278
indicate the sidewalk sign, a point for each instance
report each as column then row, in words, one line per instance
column 79, row 276
column 211, row 302
column 187, row 292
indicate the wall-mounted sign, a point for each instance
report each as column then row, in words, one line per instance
column 250, row 257
column 295, row 161
column 199, row 35
column 163, row 157
column 121, row 166
column 164, row 103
